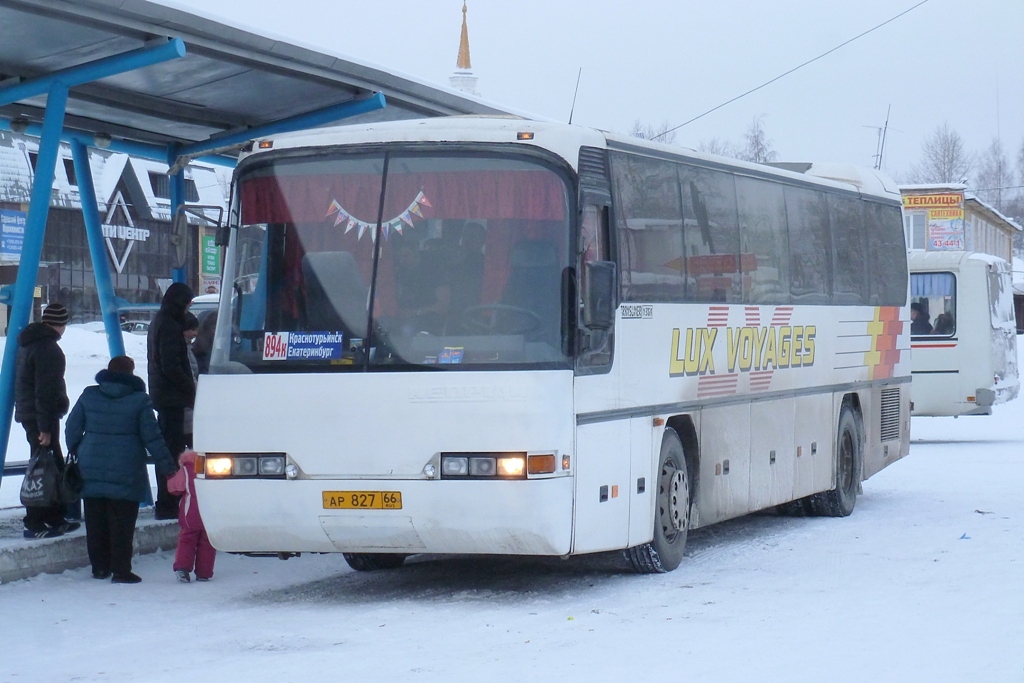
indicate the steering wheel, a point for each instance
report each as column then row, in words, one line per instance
column 500, row 319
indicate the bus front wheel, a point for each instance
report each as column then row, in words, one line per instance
column 369, row 562
column 671, row 513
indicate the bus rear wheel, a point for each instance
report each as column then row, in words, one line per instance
column 840, row 501
column 369, row 562
column 671, row 514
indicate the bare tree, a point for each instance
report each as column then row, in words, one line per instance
column 757, row 147
column 945, row 158
column 718, row 146
column 994, row 176
column 1015, row 205
column 648, row 131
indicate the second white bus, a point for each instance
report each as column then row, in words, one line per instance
column 964, row 336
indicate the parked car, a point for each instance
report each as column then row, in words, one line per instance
column 204, row 305
column 135, row 327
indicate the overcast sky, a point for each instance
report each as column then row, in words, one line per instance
column 667, row 61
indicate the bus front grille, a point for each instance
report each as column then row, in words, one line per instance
column 891, row 414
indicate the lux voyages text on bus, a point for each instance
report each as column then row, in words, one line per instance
column 748, row 348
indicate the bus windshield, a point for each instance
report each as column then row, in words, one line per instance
column 401, row 260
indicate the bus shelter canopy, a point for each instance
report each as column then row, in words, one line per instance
column 230, row 80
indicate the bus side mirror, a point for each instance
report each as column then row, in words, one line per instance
column 599, row 290
column 223, row 236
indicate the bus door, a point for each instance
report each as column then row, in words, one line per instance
column 1004, row 333
column 602, row 460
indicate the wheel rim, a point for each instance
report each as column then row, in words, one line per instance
column 674, row 501
column 846, row 461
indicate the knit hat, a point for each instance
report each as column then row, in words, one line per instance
column 121, row 364
column 55, row 314
column 191, row 322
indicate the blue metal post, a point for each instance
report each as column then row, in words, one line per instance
column 31, row 251
column 177, row 183
column 100, row 262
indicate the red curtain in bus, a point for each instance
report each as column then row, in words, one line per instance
column 485, row 195
column 517, row 205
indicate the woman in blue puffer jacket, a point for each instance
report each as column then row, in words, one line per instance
column 110, row 429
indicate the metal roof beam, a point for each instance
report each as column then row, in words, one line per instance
column 300, row 122
column 144, row 150
column 91, row 71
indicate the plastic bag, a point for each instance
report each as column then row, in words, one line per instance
column 71, row 482
column 40, row 486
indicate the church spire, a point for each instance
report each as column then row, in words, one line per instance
column 463, row 78
column 463, row 61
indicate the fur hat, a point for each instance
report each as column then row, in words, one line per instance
column 121, row 364
column 55, row 314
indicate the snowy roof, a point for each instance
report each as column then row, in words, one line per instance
column 932, row 187
column 108, row 168
column 991, row 209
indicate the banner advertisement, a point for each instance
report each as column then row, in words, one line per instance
column 12, row 234
column 945, row 219
column 209, row 265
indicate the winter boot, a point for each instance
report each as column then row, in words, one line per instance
column 43, row 533
column 66, row 527
column 126, row 578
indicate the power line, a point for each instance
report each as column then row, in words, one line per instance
column 795, row 68
column 996, row 189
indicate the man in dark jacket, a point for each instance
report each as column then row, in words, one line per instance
column 170, row 381
column 110, row 429
column 40, row 400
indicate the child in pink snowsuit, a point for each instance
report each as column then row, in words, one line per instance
column 194, row 549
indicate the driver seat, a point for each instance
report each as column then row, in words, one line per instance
column 535, row 283
column 337, row 299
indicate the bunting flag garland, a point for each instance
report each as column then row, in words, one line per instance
column 397, row 223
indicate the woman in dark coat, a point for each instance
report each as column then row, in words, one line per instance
column 110, row 429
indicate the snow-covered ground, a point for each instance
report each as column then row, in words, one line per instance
column 924, row 582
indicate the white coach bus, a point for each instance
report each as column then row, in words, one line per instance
column 964, row 335
column 499, row 336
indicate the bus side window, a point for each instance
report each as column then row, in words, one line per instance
column 933, row 304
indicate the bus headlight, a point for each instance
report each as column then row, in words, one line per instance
column 454, row 466
column 272, row 465
column 484, row 465
column 244, row 465
column 511, row 467
column 218, row 467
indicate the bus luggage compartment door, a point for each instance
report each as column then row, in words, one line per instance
column 602, row 467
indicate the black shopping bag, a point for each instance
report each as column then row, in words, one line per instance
column 40, row 486
column 71, row 482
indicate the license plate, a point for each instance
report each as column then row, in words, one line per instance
column 362, row 500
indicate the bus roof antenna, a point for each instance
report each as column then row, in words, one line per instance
column 881, row 146
column 575, row 92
